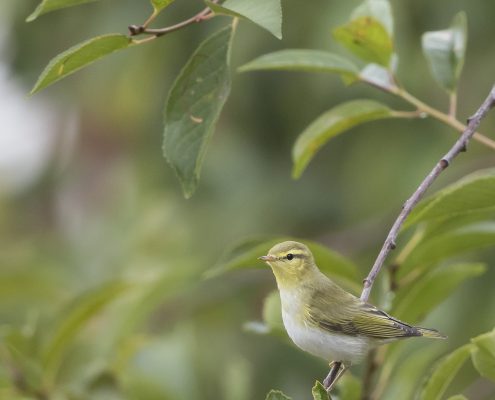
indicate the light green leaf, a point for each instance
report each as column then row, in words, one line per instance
column 444, row 373
column 378, row 9
column 444, row 51
column 472, row 194
column 458, row 397
column 413, row 302
column 331, row 123
column 159, row 5
column 304, row 60
column 378, row 76
column 276, row 395
column 319, row 392
column 367, row 38
column 78, row 57
column 47, row 6
column 245, row 255
column 272, row 315
column 483, row 354
column 194, row 105
column 72, row 320
column 265, row 13
column 448, row 244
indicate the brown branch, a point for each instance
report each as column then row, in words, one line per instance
column 389, row 244
column 459, row 146
column 143, row 29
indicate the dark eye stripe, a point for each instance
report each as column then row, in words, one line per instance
column 296, row 255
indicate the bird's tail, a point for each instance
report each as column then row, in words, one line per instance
column 431, row 333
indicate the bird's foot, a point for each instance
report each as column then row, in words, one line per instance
column 337, row 368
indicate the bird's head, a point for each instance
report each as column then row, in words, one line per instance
column 291, row 262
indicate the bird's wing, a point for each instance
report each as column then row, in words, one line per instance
column 351, row 316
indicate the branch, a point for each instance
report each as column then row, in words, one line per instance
column 459, row 146
column 143, row 29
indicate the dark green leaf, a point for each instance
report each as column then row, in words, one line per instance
column 245, row 255
column 414, row 301
column 434, row 249
column 319, row 392
column 444, row 373
column 265, row 13
column 276, row 395
column 159, row 5
column 378, row 9
column 78, row 57
column 51, row 5
column 331, row 123
column 472, row 194
column 83, row 308
column 367, row 38
column 445, row 51
column 193, row 107
column 304, row 60
column 483, row 354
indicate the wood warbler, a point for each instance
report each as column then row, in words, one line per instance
column 325, row 320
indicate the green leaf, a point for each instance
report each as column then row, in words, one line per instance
column 72, row 320
column 193, row 107
column 483, row 354
column 378, row 76
column 434, row 249
column 444, row 373
column 349, row 387
column 272, row 315
column 367, row 38
column 47, row 6
column 414, row 301
column 78, row 57
column 159, row 5
column 378, row 9
column 472, row 194
column 444, row 51
column 245, row 255
column 331, row 123
column 276, row 395
column 304, row 60
column 319, row 392
column 265, row 13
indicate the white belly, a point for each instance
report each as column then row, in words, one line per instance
column 329, row 346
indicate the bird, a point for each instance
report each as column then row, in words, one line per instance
column 325, row 320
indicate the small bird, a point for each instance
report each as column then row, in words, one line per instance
column 323, row 319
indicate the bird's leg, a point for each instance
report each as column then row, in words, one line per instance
column 337, row 368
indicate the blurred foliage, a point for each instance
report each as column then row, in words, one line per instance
column 102, row 270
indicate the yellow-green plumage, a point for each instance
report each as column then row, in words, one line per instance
column 324, row 319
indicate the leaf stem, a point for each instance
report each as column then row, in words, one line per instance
column 453, row 105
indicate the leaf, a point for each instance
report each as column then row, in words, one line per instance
column 319, row 392
column 193, row 107
column 367, row 38
column 444, row 373
column 78, row 57
column 83, row 308
column 47, row 6
column 471, row 194
column 349, row 387
column 434, row 249
column 245, row 255
column 159, row 5
column 272, row 315
column 265, row 13
column 378, row 9
column 276, row 395
column 304, row 60
column 414, row 301
column 378, row 76
column 483, row 354
column 444, row 50
column 331, row 123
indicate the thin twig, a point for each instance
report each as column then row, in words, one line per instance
column 459, row 146
column 143, row 29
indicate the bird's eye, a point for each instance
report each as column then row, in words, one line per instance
column 290, row 256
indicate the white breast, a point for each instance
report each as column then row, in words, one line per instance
column 320, row 343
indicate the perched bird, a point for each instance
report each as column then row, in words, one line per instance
column 322, row 318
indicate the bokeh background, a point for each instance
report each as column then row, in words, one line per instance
column 89, row 209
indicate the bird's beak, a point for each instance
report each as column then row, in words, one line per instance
column 267, row 258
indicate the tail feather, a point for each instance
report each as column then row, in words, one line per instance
column 431, row 333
